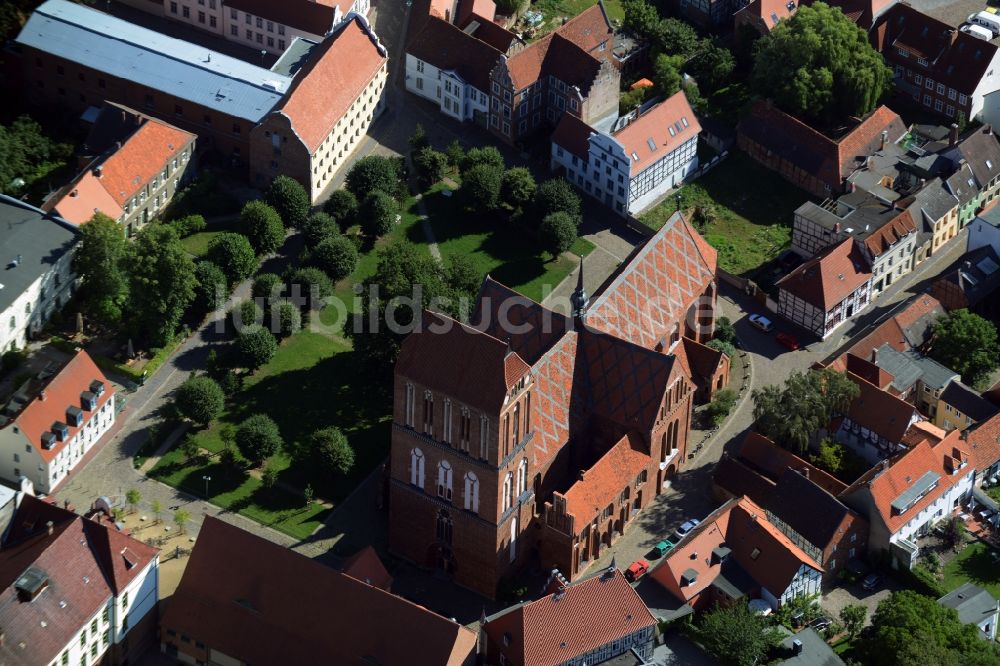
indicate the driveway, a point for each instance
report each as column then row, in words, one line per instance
column 835, row 600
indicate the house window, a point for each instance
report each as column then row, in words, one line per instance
column 234, row 31
column 417, row 468
column 444, row 487
column 446, row 422
column 260, row 22
column 281, row 29
column 281, row 44
column 232, row 13
column 201, row 17
column 444, row 527
column 508, row 489
column 429, row 413
column 918, row 79
column 484, row 435
column 173, row 7
column 408, row 416
column 929, row 83
column 471, row 492
column 185, row 12
column 522, row 476
column 962, row 99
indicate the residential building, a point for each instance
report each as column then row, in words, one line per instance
column 983, row 443
column 905, row 496
column 590, row 622
column 962, row 407
column 827, row 291
column 135, row 180
column 877, row 422
column 971, row 282
column 77, row 590
column 736, row 554
column 985, row 231
column 51, row 424
column 761, row 16
column 807, row 158
column 913, row 377
column 981, row 151
column 963, row 185
column 909, row 327
column 808, row 648
column 974, row 605
column 38, row 253
column 570, row 70
column 315, row 129
column 275, row 607
column 491, row 426
column 935, row 210
column 800, row 500
column 75, row 57
column 863, row 12
column 946, row 71
column 259, row 24
column 649, row 152
column 708, row 14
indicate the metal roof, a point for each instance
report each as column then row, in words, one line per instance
column 133, row 53
column 910, row 496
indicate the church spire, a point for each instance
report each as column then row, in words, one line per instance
column 579, row 300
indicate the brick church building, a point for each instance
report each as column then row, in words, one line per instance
column 532, row 438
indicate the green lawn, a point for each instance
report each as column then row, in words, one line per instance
column 973, row 565
column 309, row 384
column 750, row 210
column 197, row 244
column 557, row 9
column 496, row 246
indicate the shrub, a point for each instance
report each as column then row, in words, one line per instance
column 724, row 330
column 429, row 166
column 289, row 318
column 256, row 346
column 319, row 227
column 212, row 289
column 722, row 403
column 329, row 447
column 553, row 196
column 309, row 284
column 269, row 477
column 233, row 253
column 245, row 314
column 258, row 438
column 189, row 224
column 263, row 226
column 722, row 346
column 336, row 256
column 287, row 196
column 378, row 214
column 268, row 286
column 558, row 232
column 342, row 206
column 200, row 399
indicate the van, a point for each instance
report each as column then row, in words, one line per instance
column 978, row 31
column 987, row 20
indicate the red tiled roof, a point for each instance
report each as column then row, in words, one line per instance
column 862, row 12
column 666, row 126
column 141, row 158
column 882, row 239
column 529, row 328
column 84, row 198
column 489, row 32
column 573, row 135
column 770, row 12
column 893, row 331
column 700, row 360
column 600, row 485
column 984, row 443
column 763, row 454
column 556, row 55
column 880, row 411
column 589, row 29
column 366, row 566
column 313, row 17
column 275, row 608
column 830, row 277
column 562, row 626
column 922, row 431
column 655, row 286
column 83, row 563
column 323, row 92
column 485, row 10
column 62, row 391
column 861, row 367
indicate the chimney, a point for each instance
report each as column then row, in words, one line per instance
column 836, row 227
column 805, row 472
column 583, row 473
column 98, row 171
column 49, row 526
column 875, row 356
column 953, row 135
column 885, row 138
column 75, row 193
column 988, row 130
column 41, row 394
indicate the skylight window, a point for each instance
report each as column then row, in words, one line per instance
column 684, row 121
column 635, row 156
column 989, row 164
column 651, row 143
column 774, row 18
column 672, row 131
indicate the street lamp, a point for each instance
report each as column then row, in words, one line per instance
column 263, row 52
column 678, row 197
column 207, row 479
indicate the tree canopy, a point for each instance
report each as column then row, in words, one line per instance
column 99, row 261
column 233, row 253
column 256, row 346
column 371, row 173
column 488, row 155
column 517, row 187
column 429, row 166
column 480, row 189
column 212, row 289
column 25, row 150
column 258, row 438
column 162, row 282
column 558, row 232
column 331, row 450
column 336, row 256
column 378, row 213
column 736, row 636
column 287, row 196
column 318, row 227
column 200, row 399
column 820, row 64
column 792, row 414
column 263, row 226
column 553, row 196
column 343, row 207
column 966, row 343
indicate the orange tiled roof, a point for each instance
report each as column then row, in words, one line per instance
column 571, row 623
column 664, row 127
column 62, row 391
column 589, row 29
column 85, row 198
column 893, row 331
column 366, row 566
column 880, row 411
column 882, row 239
column 830, row 277
column 141, row 158
column 325, row 90
column 773, row 460
column 770, row 12
column 984, row 443
column 600, row 485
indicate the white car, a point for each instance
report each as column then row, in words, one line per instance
column 762, row 322
column 686, row 527
column 978, row 31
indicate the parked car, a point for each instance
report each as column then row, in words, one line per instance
column 637, row 570
column 821, row 623
column 761, row 322
column 872, row 581
column 686, row 527
column 662, row 548
column 978, row 31
column 787, row 340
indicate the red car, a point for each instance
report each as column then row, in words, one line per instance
column 787, row 340
column 637, row 570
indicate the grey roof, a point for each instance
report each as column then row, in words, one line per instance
column 39, row 239
column 991, row 216
column 973, row 603
column 967, row 401
column 133, row 53
column 859, row 214
column 932, row 373
column 734, row 581
column 815, row 651
column 904, row 370
column 934, row 200
column 294, row 57
column 982, row 152
column 963, row 185
column 908, row 497
column 976, row 274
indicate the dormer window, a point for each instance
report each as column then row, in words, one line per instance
column 689, row 577
column 88, row 401
column 61, row 430
column 97, row 388
column 48, row 440
column 74, row 416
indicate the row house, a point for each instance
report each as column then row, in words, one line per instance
column 51, row 427
column 912, row 376
column 807, row 158
column 980, row 151
column 936, row 212
column 75, row 57
column 136, row 180
column 39, row 278
column 946, row 71
column 492, row 423
column 650, row 152
column 736, row 554
column 799, row 498
column 571, row 70
column 961, row 407
column 80, row 590
column 828, row 290
column 984, row 232
column 877, row 423
column 972, row 282
column 594, row 621
column 275, row 607
column 903, row 498
column 312, row 133
column 259, row 24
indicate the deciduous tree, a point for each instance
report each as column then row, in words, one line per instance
column 330, row 448
column 517, row 187
column 554, row 196
column 558, row 232
column 429, row 166
column 371, row 173
column 480, row 191
column 966, row 343
column 488, row 155
column 287, row 196
column 736, row 636
column 99, row 261
column 378, row 214
column 212, row 289
column 258, row 438
column 263, row 226
column 233, row 253
column 342, row 206
column 200, row 399
column 256, row 346
column 336, row 256
column 162, row 282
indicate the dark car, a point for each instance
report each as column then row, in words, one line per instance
column 872, row 581
column 787, row 340
column 637, row 570
column 821, row 623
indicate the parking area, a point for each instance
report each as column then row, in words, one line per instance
column 835, row 600
column 952, row 12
